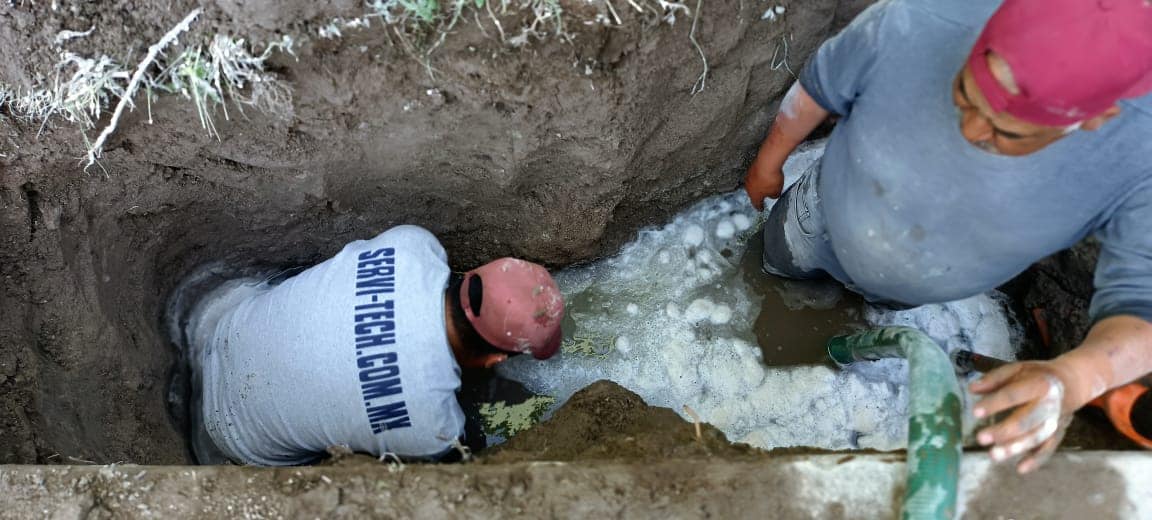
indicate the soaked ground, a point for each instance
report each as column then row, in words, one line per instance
column 793, row 319
column 792, row 324
column 478, row 387
column 684, row 317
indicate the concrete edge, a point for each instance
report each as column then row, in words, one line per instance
column 1073, row 484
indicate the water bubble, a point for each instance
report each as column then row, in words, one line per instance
column 623, row 345
column 720, row 314
column 694, row 235
column 725, row 230
column 699, row 310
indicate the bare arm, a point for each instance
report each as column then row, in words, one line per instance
column 1117, row 351
column 799, row 114
column 1044, row 394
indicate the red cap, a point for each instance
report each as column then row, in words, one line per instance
column 521, row 309
column 1071, row 59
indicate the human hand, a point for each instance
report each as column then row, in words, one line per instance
column 1043, row 397
column 765, row 178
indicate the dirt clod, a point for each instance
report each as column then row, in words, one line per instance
column 606, row 421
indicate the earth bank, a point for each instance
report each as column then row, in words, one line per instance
column 555, row 151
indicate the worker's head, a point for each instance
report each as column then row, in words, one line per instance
column 1042, row 69
column 504, row 308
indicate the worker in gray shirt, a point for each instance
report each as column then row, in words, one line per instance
column 974, row 137
column 362, row 351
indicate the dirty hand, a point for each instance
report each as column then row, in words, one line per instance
column 764, row 179
column 1041, row 393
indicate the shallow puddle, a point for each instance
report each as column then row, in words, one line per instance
column 796, row 317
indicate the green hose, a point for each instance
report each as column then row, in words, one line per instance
column 934, row 447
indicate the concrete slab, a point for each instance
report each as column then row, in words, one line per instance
column 1096, row 485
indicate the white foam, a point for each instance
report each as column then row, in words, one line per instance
column 773, row 13
column 694, row 235
column 703, row 309
column 720, row 314
column 690, row 340
column 726, row 229
column 741, row 221
column 623, row 345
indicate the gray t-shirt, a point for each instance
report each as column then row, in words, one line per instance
column 350, row 352
column 916, row 214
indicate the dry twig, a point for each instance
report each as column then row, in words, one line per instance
column 696, row 421
column 134, row 83
column 699, row 86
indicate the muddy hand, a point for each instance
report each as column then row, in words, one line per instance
column 1035, row 392
column 763, row 180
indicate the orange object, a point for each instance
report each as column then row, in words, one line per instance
column 1042, row 327
column 1119, row 405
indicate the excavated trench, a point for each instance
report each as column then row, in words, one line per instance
column 556, row 152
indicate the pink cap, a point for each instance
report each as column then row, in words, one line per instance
column 521, row 309
column 1071, row 59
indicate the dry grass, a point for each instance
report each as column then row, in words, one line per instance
column 83, row 88
column 226, row 70
column 548, row 17
column 80, row 90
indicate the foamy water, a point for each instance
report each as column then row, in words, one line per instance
column 674, row 316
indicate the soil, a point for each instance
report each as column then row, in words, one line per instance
column 605, row 421
column 555, row 152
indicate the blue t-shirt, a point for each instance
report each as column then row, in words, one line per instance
column 916, row 214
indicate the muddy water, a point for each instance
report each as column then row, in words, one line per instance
column 684, row 317
column 478, row 387
column 793, row 321
column 796, row 317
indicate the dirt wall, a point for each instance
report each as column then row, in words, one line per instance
column 556, row 152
